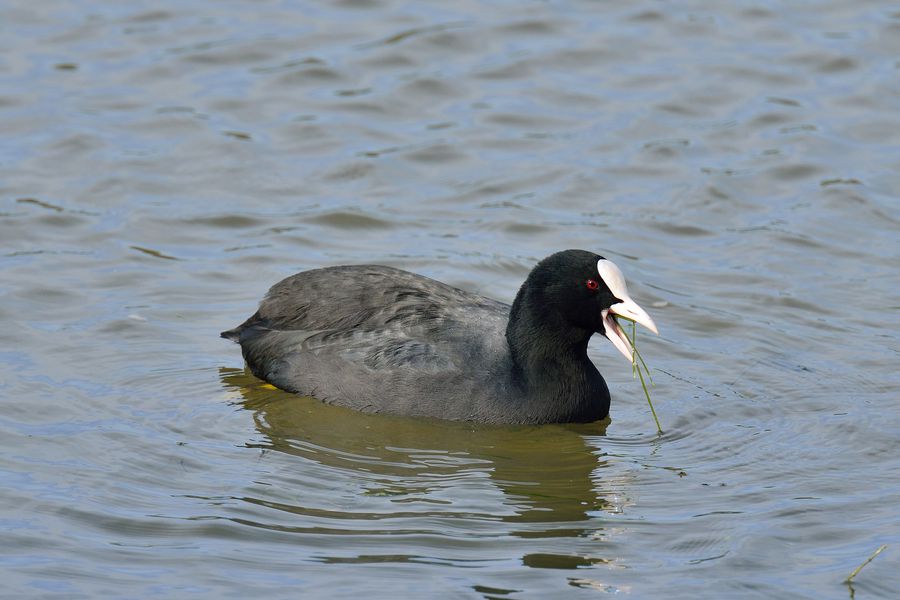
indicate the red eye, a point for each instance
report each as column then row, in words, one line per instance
column 592, row 285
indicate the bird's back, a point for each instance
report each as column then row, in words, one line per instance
column 382, row 340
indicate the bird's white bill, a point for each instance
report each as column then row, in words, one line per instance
column 629, row 309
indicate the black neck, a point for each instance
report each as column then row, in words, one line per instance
column 550, row 357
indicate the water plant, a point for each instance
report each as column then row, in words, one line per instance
column 865, row 562
column 639, row 368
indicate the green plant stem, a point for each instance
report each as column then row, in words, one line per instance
column 865, row 562
column 636, row 369
column 652, row 410
column 634, row 351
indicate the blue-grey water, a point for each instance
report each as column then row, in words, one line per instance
column 162, row 165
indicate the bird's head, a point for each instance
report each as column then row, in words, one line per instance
column 588, row 291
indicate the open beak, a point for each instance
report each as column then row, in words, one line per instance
column 628, row 309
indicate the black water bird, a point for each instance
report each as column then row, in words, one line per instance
column 379, row 339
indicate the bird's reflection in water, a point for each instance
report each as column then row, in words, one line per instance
column 548, row 474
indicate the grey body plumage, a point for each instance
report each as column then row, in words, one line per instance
column 380, row 339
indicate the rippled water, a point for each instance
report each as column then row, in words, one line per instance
column 161, row 167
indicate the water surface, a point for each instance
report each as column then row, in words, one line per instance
column 161, row 166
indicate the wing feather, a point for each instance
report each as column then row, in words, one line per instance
column 370, row 317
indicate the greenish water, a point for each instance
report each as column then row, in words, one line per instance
column 161, row 167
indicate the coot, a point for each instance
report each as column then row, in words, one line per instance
column 378, row 339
